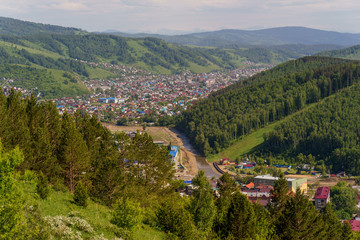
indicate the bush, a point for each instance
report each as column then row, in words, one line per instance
column 42, row 187
column 80, row 195
column 127, row 214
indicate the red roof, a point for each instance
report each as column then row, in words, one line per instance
column 322, row 193
column 355, row 225
column 250, row 185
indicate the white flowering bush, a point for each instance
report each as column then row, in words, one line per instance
column 70, row 227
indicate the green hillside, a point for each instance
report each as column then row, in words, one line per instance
column 216, row 122
column 329, row 132
column 10, row 26
column 347, row 53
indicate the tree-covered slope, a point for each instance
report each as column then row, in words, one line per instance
column 348, row 53
column 10, row 26
column 214, row 123
column 264, row 37
column 329, row 131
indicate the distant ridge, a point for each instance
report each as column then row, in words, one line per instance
column 347, row 53
column 10, row 26
column 265, row 37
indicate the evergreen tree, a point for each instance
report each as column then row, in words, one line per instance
column 226, row 186
column 300, row 220
column 202, row 204
column 173, row 217
column 279, row 197
column 241, row 218
column 42, row 187
column 127, row 214
column 347, row 233
column 74, row 153
column 333, row 227
column 80, row 195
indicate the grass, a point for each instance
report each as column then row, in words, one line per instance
column 60, row 203
column 251, row 141
column 244, row 145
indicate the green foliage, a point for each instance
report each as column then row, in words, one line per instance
column 174, row 218
column 344, row 200
column 80, row 195
column 42, row 187
column 43, row 80
column 127, row 214
column 241, row 218
column 202, row 205
column 265, row 98
column 300, row 220
column 16, row 221
column 17, row 27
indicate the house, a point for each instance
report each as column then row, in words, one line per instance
column 293, row 183
column 322, row 196
column 260, row 194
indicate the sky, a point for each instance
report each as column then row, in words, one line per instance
column 185, row 16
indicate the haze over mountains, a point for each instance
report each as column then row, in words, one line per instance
column 265, row 37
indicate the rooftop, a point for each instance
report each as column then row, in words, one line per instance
column 322, row 193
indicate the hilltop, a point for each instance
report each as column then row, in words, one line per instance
column 347, row 53
column 10, row 26
column 264, row 37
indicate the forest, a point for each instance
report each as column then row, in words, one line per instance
column 133, row 177
column 214, row 123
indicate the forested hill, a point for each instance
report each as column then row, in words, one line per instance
column 348, row 53
column 329, row 131
column 10, row 26
column 214, row 123
column 264, row 37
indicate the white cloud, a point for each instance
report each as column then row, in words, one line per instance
column 186, row 14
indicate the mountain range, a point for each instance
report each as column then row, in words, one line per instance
column 265, row 37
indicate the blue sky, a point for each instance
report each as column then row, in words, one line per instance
column 180, row 16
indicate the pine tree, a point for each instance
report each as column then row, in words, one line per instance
column 241, row 218
column 42, row 187
column 300, row 220
column 347, row 233
column 74, row 153
column 226, row 186
column 279, row 197
column 80, row 195
column 333, row 227
column 202, row 204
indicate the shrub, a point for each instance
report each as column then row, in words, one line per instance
column 80, row 195
column 127, row 214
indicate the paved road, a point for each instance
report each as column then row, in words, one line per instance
column 201, row 162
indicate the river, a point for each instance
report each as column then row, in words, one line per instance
column 201, row 161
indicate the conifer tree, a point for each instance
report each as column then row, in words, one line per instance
column 74, row 153
column 279, row 197
column 80, row 195
column 226, row 186
column 300, row 220
column 241, row 218
column 333, row 227
column 202, row 204
column 347, row 233
column 42, row 187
